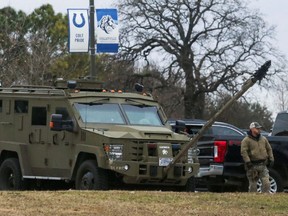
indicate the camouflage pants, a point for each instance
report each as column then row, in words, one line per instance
column 255, row 173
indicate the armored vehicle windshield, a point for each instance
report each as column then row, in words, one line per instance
column 112, row 113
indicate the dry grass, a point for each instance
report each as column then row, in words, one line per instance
column 136, row 203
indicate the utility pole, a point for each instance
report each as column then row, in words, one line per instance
column 92, row 40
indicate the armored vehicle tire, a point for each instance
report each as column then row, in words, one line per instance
column 190, row 185
column 91, row 177
column 10, row 175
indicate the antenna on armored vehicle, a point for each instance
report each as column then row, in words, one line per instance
column 258, row 75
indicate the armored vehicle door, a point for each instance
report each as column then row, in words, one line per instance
column 37, row 135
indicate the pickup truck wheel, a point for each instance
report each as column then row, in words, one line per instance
column 276, row 184
column 91, row 177
column 10, row 175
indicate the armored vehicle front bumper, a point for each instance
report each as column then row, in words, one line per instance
column 153, row 173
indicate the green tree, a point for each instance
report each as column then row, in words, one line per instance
column 12, row 44
column 70, row 66
column 31, row 44
column 47, row 36
column 211, row 44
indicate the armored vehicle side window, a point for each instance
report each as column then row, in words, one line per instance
column 142, row 115
column 0, row 105
column 100, row 113
column 39, row 116
column 63, row 111
column 21, row 106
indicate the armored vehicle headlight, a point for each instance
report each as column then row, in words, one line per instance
column 126, row 167
column 190, row 155
column 114, row 151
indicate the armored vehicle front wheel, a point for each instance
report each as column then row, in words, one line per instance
column 91, row 177
column 190, row 185
column 10, row 175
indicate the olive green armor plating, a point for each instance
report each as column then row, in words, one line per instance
column 89, row 136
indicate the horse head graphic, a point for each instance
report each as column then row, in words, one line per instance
column 107, row 24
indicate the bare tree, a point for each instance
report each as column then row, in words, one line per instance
column 209, row 43
column 281, row 98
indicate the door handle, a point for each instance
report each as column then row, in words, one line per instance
column 30, row 138
column 55, row 138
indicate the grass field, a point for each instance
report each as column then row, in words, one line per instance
column 136, row 203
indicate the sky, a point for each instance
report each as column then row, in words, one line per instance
column 58, row 5
column 274, row 13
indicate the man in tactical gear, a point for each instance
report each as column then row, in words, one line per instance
column 257, row 155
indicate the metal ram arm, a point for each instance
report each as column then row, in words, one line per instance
column 258, row 75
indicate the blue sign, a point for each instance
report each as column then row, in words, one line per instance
column 107, row 31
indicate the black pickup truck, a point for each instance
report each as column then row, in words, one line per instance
column 221, row 164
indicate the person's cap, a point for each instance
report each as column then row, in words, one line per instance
column 255, row 125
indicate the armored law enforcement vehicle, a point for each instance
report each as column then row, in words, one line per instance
column 80, row 133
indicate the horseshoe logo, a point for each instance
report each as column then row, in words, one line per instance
column 78, row 25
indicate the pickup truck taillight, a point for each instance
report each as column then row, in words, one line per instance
column 220, row 148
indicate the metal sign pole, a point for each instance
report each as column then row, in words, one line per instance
column 92, row 40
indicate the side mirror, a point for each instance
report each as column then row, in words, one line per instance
column 180, row 126
column 58, row 124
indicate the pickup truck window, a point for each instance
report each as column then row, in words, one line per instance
column 193, row 129
column 218, row 130
column 280, row 127
column 215, row 130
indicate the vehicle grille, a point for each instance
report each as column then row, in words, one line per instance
column 141, row 150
